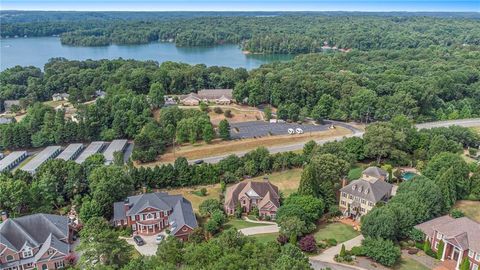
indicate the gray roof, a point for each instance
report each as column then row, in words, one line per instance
column 215, row 93
column 375, row 172
column 46, row 154
column 71, row 151
column 182, row 215
column 182, row 209
column 92, row 149
column 12, row 158
column 462, row 232
column 6, row 120
column 33, row 229
column 370, row 191
column 115, row 146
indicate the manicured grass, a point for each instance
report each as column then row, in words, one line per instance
column 409, row 264
column 265, row 237
column 471, row 209
column 240, row 224
column 189, row 193
column 339, row 231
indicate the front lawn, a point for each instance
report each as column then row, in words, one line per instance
column 265, row 237
column 241, row 224
column 471, row 209
column 409, row 264
column 338, row 231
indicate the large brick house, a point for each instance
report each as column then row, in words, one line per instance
column 250, row 194
column 461, row 238
column 361, row 195
column 217, row 96
column 39, row 241
column 151, row 213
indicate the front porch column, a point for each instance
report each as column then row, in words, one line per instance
column 460, row 257
column 444, row 250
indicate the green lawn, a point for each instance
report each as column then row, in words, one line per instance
column 471, row 209
column 265, row 237
column 355, row 173
column 339, row 231
column 409, row 264
column 240, row 224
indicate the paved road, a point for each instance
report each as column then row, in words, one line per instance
column 355, row 133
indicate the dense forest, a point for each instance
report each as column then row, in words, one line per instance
column 286, row 33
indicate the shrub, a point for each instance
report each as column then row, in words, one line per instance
column 381, row 250
column 419, row 245
column 228, row 113
column 218, row 110
column 321, row 245
column 441, row 246
column 416, row 235
column 426, row 246
column 342, row 251
column 431, row 253
column 455, row 213
column 465, row 264
column 282, row 239
column 357, row 251
column 203, row 107
column 203, row 191
column 308, row 244
column 331, row 242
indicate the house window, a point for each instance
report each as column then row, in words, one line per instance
column 59, row 264
column 439, row 236
column 134, row 227
column 350, row 197
column 50, row 252
column 9, row 258
column 364, row 202
column 344, row 194
column 343, row 202
column 27, row 252
column 436, row 246
column 362, row 209
column 149, row 216
column 475, row 267
column 370, row 204
column 471, row 253
column 477, row 257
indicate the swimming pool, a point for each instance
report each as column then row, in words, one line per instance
column 408, row 176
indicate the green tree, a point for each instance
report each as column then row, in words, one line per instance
column 156, row 95
column 224, row 129
column 292, row 226
column 441, row 246
column 101, row 246
column 382, row 251
column 465, row 264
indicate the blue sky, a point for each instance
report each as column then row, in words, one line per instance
column 243, row 5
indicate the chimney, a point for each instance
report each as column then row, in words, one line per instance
column 4, row 216
column 127, row 205
column 144, row 189
column 344, row 182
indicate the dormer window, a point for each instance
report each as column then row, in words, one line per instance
column 360, row 189
column 366, row 191
column 27, row 252
column 354, row 187
column 50, row 252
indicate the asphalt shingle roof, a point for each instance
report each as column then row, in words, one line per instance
column 371, row 191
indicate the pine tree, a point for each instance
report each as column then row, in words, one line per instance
column 224, row 129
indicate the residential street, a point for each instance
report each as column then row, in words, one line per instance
column 356, row 133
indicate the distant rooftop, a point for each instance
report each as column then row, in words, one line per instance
column 92, row 149
column 115, row 146
column 71, row 151
column 11, row 158
column 46, row 154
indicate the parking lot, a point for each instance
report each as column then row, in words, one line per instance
column 255, row 129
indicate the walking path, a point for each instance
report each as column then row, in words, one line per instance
column 327, row 256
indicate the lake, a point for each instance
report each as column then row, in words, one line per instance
column 37, row 51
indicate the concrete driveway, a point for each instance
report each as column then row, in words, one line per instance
column 150, row 247
column 260, row 230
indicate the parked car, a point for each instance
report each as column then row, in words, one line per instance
column 138, row 240
column 159, row 239
column 198, row 162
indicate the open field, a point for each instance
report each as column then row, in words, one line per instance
column 471, row 209
column 218, row 147
column 338, row 231
column 265, row 237
column 287, row 181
